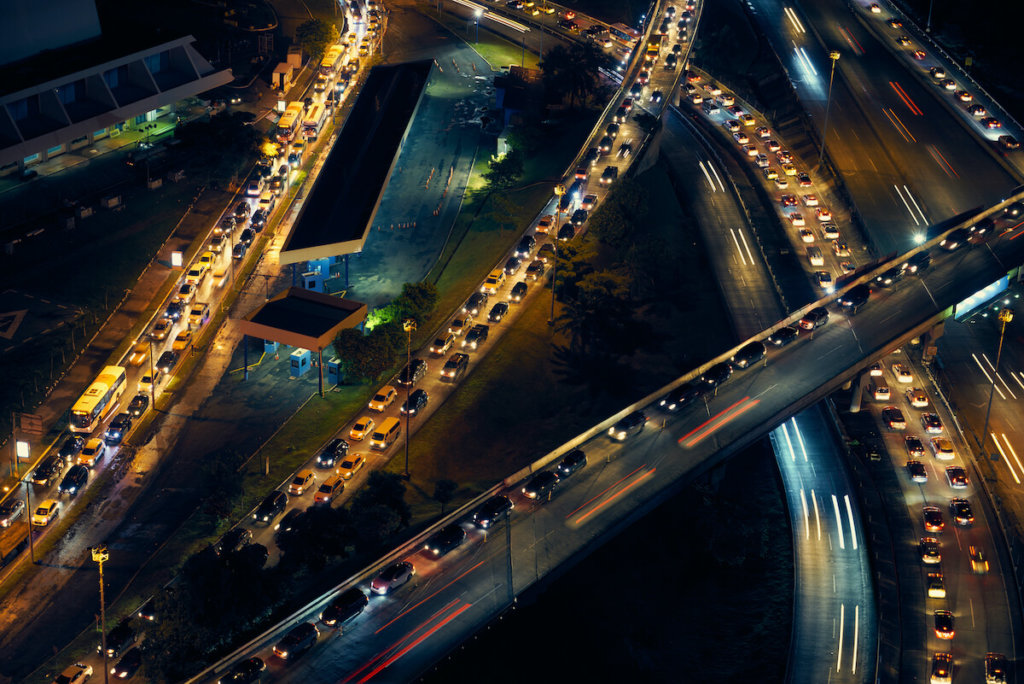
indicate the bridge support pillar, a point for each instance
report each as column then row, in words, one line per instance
column 858, row 392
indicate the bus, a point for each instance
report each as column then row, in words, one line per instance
column 99, row 400
column 314, row 120
column 624, row 34
column 289, row 122
column 330, row 61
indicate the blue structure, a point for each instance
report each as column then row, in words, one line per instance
column 334, row 372
column 300, row 362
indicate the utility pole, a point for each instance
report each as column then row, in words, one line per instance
column 101, row 556
column 408, row 325
column 1005, row 316
column 559, row 191
column 508, row 548
column 834, row 56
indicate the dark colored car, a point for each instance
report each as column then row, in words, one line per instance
column 918, row 262
column 148, row 611
column 944, row 624
column 11, row 510
column 933, row 519
column 566, row 232
column 526, row 246
column 855, row 298
column 247, row 236
column 915, row 449
column 497, row 312
column 242, row 210
column 628, row 426
column 71, row 447
column 541, row 485
column 235, row 539
column 74, row 481
column 960, row 511
column 335, row 450
column 445, row 540
column 681, row 396
column 239, row 250
column 492, row 510
column 517, row 292
column 271, row 507
column 300, row 639
column 476, row 336
column 47, row 472
column 579, row 217
column 455, row 366
column 290, row 521
column 512, row 265
column 605, row 145
column 783, row 336
column 119, row 640
column 416, row 401
column 716, row 375
column 890, row 277
column 593, row 154
column 918, row 473
column 412, row 372
column 117, row 429
column 244, row 672
column 893, row 418
column 344, row 607
column 128, row 665
column 167, row 361
column 475, row 304
column 815, row 318
column 139, row 404
column 572, row 462
column 955, row 239
column 748, row 355
column 175, row 309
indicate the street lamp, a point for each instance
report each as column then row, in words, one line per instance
column 408, row 325
column 101, row 556
column 477, row 22
column 1005, row 316
column 559, row 191
column 834, row 56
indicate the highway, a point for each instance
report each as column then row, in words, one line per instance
column 905, row 159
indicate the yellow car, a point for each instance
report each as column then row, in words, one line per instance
column 183, row 341
column 161, row 328
column 789, row 169
column 139, row 354
column 979, row 564
column 351, row 465
column 362, row 427
column 936, row 587
column 301, row 482
column 384, row 397
column 207, row 258
column 46, row 512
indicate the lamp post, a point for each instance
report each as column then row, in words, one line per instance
column 834, row 56
column 1005, row 316
column 928, row 28
column 477, row 22
column 408, row 325
column 101, row 556
column 28, row 511
column 559, row 191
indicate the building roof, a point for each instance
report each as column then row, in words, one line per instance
column 302, row 318
column 337, row 216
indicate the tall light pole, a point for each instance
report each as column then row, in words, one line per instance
column 834, row 56
column 477, row 22
column 559, row 191
column 101, row 556
column 1005, row 316
column 928, row 28
column 408, row 325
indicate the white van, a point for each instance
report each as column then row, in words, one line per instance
column 815, row 257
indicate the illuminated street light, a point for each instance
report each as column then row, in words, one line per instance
column 101, row 555
column 834, row 56
column 479, row 13
column 919, row 238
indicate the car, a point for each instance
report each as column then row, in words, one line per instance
column 956, row 476
column 876, row 370
column 963, row 96
column 302, row 481
column 748, row 355
column 948, row 84
column 796, row 218
column 526, row 246
column 234, row 540
column 806, row 236
column 239, row 250
column 937, row 72
column 853, row 300
column 979, row 563
column 840, row 248
column 783, row 336
column 902, row 373
column 644, row 77
column 715, row 375
column 270, row 508
column 955, row 239
column 535, row 270
column 788, row 200
column 93, row 452
column 933, row 519
column 391, row 577
column 936, row 585
column 336, row 449
column 167, row 361
column 847, row 267
column 352, row 464
column 657, row 96
column 442, row 344
column 823, row 214
column 475, row 304
column 813, row 319
column 128, row 665
column 259, row 220
column 384, row 397
column 875, row 8
column 10, row 510
column 931, row 423
column 579, row 217
column 512, row 265
column 416, row 401
column 492, row 510
column 893, row 418
column 254, row 187
column 186, row 293
column 991, row 122
column 117, row 429
column 914, row 446
column 411, row 373
column 547, row 253
column 628, row 426
column 803, row 180
column 566, row 232
column 943, row 449
column 497, row 312
column 903, row 40
column 829, row 231
column 1008, row 142
column 46, row 512
column 119, row 639
column 460, row 324
column 619, row 116
column 918, row 55
column 518, row 292
column 750, row 150
column 147, row 382
column 247, row 236
column 995, row 668
column 572, row 462
column 895, row 23
column 79, row 673
column 929, row 547
column 445, row 540
column 138, row 405
column 682, row 396
column 733, row 125
column 944, row 624
column 299, row 639
column 770, row 173
column 458, row 362
column 163, row 326
column 590, row 201
column 977, row 110
column 47, row 472
column 182, row 341
column 605, row 145
column 175, row 309
column 140, row 352
column 329, row 489
column 344, row 607
column 609, row 175
column 541, row 485
column 244, row 672
column 917, row 472
column 474, row 338
column 361, row 428
column 942, row 668
column 960, row 511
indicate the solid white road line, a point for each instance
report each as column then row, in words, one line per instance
column 849, row 514
column 1005, row 459
column 839, row 522
column 800, row 439
column 842, row 620
column 738, row 248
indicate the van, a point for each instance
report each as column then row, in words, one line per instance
column 815, row 257
column 385, row 435
column 880, row 390
column 267, row 201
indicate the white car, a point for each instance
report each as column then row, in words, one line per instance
column 46, row 512
column 943, row 449
column 74, row 674
column 797, row 219
column 392, row 577
column 823, row 214
column 810, row 200
column 806, row 235
column 824, row 279
column 917, row 397
column 830, row 231
column 902, row 373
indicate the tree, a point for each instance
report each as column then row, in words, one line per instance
column 598, row 313
column 623, row 210
column 385, row 489
column 417, row 301
column 505, row 171
column 220, row 480
column 315, row 36
column 366, row 356
column 444, row 492
column 572, row 72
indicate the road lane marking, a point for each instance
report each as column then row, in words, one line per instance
column 842, row 626
column 839, row 522
column 849, row 514
column 1005, row 459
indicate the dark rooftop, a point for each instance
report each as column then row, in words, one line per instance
column 302, row 318
column 347, row 192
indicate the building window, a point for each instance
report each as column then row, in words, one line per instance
column 100, row 133
column 31, row 158
column 68, row 94
column 157, row 63
column 112, row 77
column 54, row 150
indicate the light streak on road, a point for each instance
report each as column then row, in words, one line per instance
column 721, row 186
column 807, row 515
column 789, row 443
column 421, row 602
column 842, row 625
column 941, row 161
column 853, row 528
column 839, row 522
column 738, row 248
column 799, row 439
column 924, row 219
column 856, row 636
column 898, row 124
column 817, row 517
column 851, row 41
column 804, row 60
column 743, row 239
column 902, row 199
column 809, row 63
column 987, row 376
column 615, row 496
column 1005, row 459
column 707, row 176
column 794, row 20
column 902, row 94
column 1014, row 374
column 1013, row 451
column 604, row 491
column 712, row 425
column 998, row 376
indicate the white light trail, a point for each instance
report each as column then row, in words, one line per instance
column 900, row 193
column 1005, row 459
column 839, row 522
column 853, row 528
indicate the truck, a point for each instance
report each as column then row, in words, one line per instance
column 14, row 540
